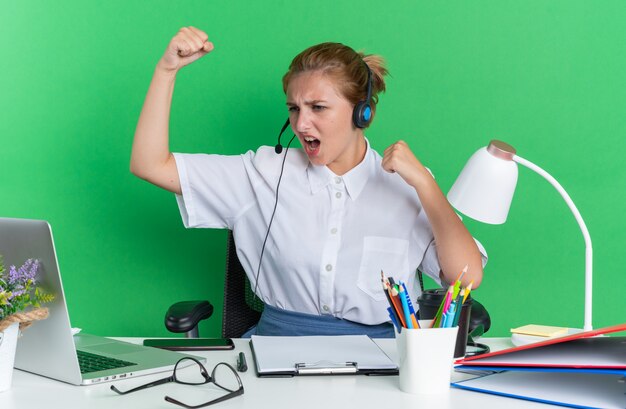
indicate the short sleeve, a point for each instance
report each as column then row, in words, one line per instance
column 215, row 189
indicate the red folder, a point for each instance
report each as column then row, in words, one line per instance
column 583, row 350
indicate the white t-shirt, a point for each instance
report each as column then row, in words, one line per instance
column 331, row 235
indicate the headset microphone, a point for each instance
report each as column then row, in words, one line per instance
column 279, row 148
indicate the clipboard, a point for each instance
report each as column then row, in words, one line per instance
column 319, row 355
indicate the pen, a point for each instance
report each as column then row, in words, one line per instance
column 444, row 320
column 405, row 308
column 450, row 315
column 411, row 309
column 242, row 366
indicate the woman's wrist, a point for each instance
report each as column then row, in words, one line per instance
column 423, row 182
column 166, row 73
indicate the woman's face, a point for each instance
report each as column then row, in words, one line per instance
column 321, row 118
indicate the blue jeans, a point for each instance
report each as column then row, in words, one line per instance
column 278, row 322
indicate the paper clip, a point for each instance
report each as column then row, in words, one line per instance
column 326, row 368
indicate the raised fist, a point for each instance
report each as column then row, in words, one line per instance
column 188, row 45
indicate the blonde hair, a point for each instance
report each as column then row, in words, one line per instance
column 346, row 67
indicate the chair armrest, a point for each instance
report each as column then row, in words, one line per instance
column 184, row 316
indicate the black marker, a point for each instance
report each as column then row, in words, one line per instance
column 242, row 366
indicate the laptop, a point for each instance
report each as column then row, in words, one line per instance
column 48, row 347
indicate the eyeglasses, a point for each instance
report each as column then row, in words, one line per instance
column 223, row 376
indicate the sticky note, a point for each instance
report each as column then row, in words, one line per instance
column 540, row 330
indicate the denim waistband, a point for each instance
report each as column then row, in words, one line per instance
column 278, row 322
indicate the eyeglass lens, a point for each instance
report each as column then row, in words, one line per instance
column 226, row 377
column 223, row 376
column 191, row 372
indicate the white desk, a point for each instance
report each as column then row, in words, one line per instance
column 354, row 391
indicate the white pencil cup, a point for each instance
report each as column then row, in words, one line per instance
column 426, row 358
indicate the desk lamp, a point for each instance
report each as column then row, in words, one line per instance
column 484, row 190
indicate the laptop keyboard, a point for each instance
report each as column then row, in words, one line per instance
column 93, row 363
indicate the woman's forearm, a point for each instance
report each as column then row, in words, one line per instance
column 455, row 246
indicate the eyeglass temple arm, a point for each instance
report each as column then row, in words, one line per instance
column 218, row 400
column 148, row 385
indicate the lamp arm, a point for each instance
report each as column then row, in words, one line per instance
column 583, row 228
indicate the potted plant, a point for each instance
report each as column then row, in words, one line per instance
column 20, row 306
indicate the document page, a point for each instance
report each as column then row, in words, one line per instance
column 281, row 354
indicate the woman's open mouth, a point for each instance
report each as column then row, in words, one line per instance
column 311, row 145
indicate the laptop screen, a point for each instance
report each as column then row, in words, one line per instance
column 47, row 347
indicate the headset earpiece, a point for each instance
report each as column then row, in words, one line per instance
column 362, row 113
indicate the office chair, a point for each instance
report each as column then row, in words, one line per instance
column 242, row 309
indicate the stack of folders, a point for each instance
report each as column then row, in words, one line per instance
column 403, row 314
column 583, row 370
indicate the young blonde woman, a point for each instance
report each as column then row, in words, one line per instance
column 343, row 212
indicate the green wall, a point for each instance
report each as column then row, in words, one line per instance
column 545, row 76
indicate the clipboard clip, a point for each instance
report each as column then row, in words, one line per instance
column 326, row 368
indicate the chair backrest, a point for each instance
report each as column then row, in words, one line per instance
column 242, row 309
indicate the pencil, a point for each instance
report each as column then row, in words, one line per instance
column 459, row 306
column 448, row 299
column 397, row 305
column 442, row 308
column 467, row 291
column 392, row 306
column 462, row 273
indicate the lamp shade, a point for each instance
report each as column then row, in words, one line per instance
column 484, row 189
